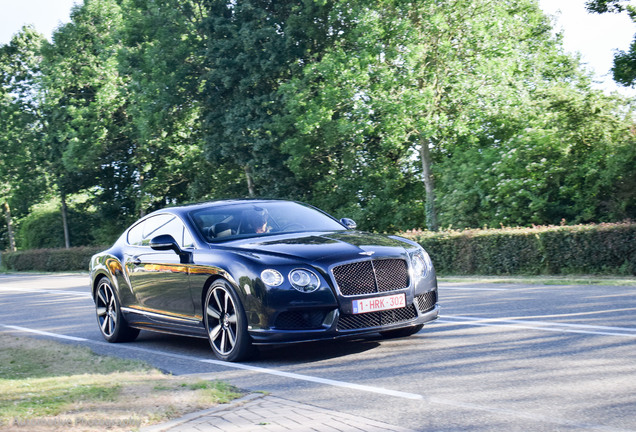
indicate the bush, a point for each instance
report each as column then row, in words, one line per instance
column 44, row 229
column 580, row 249
column 50, row 260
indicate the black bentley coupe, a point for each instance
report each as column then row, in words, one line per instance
column 251, row 272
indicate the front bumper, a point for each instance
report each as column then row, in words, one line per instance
column 338, row 325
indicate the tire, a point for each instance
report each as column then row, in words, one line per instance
column 226, row 323
column 112, row 324
column 403, row 332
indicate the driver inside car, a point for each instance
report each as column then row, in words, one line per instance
column 256, row 221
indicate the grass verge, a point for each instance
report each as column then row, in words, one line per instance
column 46, row 386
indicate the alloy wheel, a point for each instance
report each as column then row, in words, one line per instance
column 106, row 308
column 222, row 320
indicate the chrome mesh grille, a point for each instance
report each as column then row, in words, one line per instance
column 376, row 319
column 368, row 277
column 355, row 278
column 426, row 301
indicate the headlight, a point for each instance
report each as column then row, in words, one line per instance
column 271, row 277
column 421, row 263
column 304, row 280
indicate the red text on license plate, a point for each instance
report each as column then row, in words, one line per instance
column 379, row 303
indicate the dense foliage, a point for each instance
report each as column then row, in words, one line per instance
column 605, row 249
column 402, row 115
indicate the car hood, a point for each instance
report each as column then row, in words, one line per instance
column 324, row 247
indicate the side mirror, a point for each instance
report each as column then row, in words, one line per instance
column 349, row 223
column 165, row 242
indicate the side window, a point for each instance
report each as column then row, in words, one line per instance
column 135, row 235
column 155, row 226
column 141, row 234
column 188, row 241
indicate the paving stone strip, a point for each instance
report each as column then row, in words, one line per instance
column 267, row 413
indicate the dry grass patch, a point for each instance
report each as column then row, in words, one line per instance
column 46, row 386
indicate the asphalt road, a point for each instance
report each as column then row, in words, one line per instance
column 507, row 357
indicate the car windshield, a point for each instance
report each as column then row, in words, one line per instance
column 226, row 222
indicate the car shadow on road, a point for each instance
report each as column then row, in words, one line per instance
column 272, row 354
column 313, row 351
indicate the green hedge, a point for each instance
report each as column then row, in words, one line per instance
column 605, row 249
column 50, row 260
column 547, row 250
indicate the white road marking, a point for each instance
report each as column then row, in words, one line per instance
column 43, row 333
column 549, row 326
column 47, row 291
column 472, row 288
column 379, row 390
column 325, row 381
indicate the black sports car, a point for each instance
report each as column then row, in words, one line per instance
column 253, row 272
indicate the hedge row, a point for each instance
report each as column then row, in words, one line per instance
column 50, row 260
column 582, row 249
column 546, row 250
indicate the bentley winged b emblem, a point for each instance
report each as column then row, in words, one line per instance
column 367, row 253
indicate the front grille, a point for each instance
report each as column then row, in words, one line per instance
column 376, row 319
column 426, row 301
column 293, row 320
column 368, row 277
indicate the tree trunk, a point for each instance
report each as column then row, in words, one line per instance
column 140, row 201
column 67, row 239
column 7, row 215
column 250, row 181
column 431, row 210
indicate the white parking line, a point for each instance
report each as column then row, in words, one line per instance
column 343, row 384
column 538, row 325
column 46, row 291
column 472, row 288
column 43, row 333
column 325, row 381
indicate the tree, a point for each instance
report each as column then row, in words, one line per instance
column 414, row 78
column 252, row 47
column 87, row 126
column 624, row 69
column 563, row 156
column 20, row 177
column 163, row 57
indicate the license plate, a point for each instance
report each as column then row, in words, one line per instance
column 375, row 304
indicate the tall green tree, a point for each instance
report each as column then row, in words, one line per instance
column 21, row 179
column 252, row 47
column 164, row 59
column 87, row 125
column 415, row 78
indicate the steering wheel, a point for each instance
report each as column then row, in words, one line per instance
column 292, row 227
